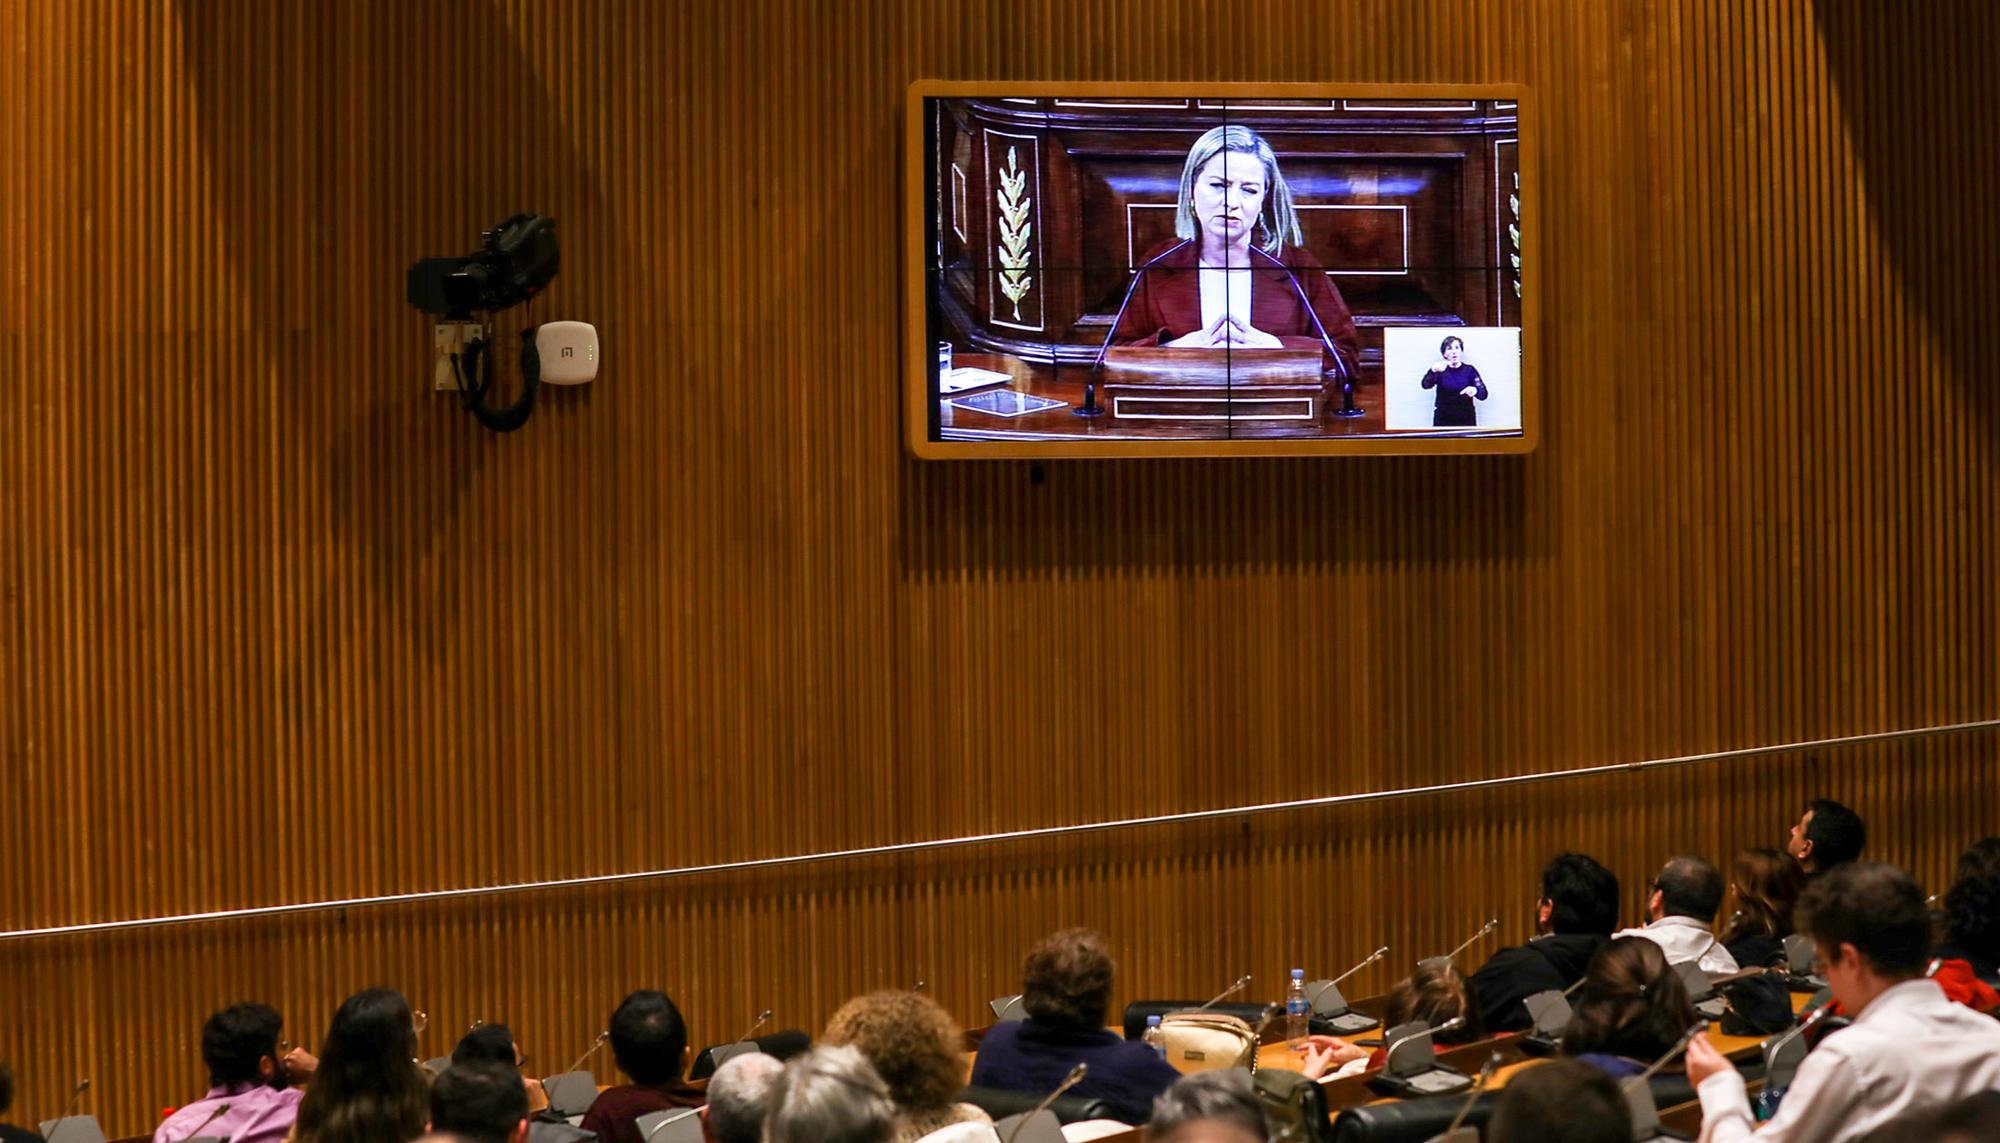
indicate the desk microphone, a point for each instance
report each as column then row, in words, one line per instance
column 1347, row 407
column 1074, row 1077
column 212, row 1117
column 1242, row 982
column 594, row 1045
column 1931, row 969
column 763, row 1018
column 1378, row 954
column 1680, row 1045
column 918, row 986
column 1473, row 939
column 1389, row 1050
column 1478, row 1085
column 75, row 1095
column 1090, row 407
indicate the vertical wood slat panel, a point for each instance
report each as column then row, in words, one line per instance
column 275, row 624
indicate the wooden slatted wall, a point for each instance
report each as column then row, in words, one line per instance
column 276, row 624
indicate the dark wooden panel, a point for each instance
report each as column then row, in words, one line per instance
column 276, row 624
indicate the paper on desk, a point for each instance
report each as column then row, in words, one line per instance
column 965, row 378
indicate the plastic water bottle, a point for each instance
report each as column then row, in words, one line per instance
column 1155, row 1038
column 1298, row 1013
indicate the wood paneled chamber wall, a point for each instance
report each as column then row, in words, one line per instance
column 278, row 625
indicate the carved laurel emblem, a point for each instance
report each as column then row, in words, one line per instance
column 1014, row 231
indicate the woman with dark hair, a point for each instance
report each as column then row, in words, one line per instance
column 1972, row 911
column 1764, row 886
column 1629, row 1010
column 368, row 1088
column 1458, row 385
column 1066, row 989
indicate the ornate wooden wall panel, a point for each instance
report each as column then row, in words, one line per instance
column 277, row 625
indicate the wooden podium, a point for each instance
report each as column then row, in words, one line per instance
column 1150, row 383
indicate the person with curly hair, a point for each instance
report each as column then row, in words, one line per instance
column 917, row 1049
column 1066, row 989
column 1972, row 911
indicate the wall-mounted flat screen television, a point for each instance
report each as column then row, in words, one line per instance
column 1220, row 269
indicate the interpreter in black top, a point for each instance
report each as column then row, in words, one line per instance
column 1458, row 385
column 1764, row 886
column 1578, row 910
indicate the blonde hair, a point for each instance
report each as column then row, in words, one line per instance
column 1279, row 218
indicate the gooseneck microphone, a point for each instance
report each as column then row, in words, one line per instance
column 1473, row 939
column 1347, row 405
column 1090, row 407
column 1680, row 1045
column 918, row 986
column 1378, row 954
column 1242, row 982
column 1389, row 1050
column 763, row 1018
column 218, row 1113
column 1074, row 1077
column 587, row 1052
column 1478, row 1085
column 81, row 1087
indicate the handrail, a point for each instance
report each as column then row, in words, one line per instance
column 994, row 838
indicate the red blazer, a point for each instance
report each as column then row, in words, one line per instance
column 1167, row 302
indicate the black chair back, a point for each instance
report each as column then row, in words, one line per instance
column 1068, row 1108
column 784, row 1045
column 1137, row 1011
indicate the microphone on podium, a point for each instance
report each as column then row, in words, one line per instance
column 76, row 1094
column 1347, row 406
column 1014, row 1123
column 1090, row 407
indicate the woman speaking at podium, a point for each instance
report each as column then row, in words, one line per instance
column 1237, row 277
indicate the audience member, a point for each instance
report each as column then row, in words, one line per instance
column 1910, row 1051
column 1630, row 1009
column 830, row 1095
column 1685, row 896
column 919, row 1052
column 739, row 1093
column 1764, row 887
column 495, row 1043
column 1829, row 834
column 480, row 1100
column 650, row 1042
column 1972, row 911
column 1974, row 1119
column 1575, row 916
column 1562, row 1101
column 248, row 1098
column 1435, row 994
column 368, row 1089
column 1066, row 989
column 1209, row 1107
column 8, row 1132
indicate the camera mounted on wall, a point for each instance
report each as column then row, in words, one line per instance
column 515, row 261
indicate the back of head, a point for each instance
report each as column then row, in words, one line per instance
column 484, row 1101
column 1631, row 1003
column 367, row 1088
column 1877, row 908
column 1209, row 1107
column 1766, row 887
column 6, row 1087
column 1583, row 895
column 1974, row 1119
column 1972, row 905
column 1690, row 887
column 1066, row 980
column 1436, row 994
column 235, row 1042
column 1561, row 1101
column 1836, row 833
column 913, row 1044
column 489, row 1044
column 829, row 1095
column 738, row 1094
column 649, row 1038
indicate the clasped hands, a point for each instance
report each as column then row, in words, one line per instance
column 1227, row 332
column 1325, row 1053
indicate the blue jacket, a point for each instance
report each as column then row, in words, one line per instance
column 1030, row 1057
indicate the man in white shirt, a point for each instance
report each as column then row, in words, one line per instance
column 1910, row 1053
column 1686, row 896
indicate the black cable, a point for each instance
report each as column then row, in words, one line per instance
column 511, row 417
